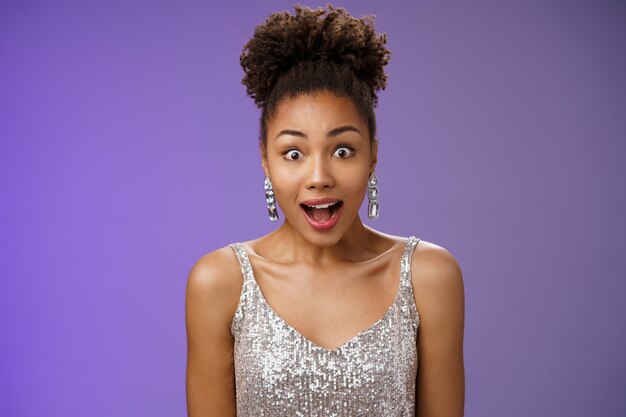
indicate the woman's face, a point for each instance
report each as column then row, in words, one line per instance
column 318, row 147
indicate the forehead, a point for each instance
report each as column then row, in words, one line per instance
column 315, row 111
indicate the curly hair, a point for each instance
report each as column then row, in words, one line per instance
column 315, row 50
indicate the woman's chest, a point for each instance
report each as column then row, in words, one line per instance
column 329, row 306
column 279, row 369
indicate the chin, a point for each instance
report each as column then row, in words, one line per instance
column 327, row 238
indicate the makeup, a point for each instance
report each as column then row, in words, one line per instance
column 322, row 214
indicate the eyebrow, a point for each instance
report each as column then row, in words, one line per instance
column 333, row 133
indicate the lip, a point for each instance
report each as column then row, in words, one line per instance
column 328, row 224
column 317, row 201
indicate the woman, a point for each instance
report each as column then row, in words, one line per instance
column 321, row 316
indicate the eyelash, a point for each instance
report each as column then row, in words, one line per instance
column 347, row 147
column 339, row 147
column 288, row 151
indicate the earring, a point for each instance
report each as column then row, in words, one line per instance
column 372, row 197
column 270, row 199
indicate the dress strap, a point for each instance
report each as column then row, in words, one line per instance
column 405, row 263
column 244, row 261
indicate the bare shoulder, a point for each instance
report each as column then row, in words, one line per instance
column 439, row 297
column 214, row 283
column 213, row 290
column 434, row 266
column 438, row 285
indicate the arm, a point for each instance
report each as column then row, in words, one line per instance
column 211, row 300
column 439, row 295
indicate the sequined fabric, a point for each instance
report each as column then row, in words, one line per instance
column 280, row 373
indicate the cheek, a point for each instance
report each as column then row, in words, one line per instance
column 354, row 186
column 357, row 192
column 286, row 189
column 281, row 178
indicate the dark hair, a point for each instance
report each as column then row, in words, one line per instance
column 315, row 50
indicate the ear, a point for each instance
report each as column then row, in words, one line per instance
column 264, row 160
column 374, row 156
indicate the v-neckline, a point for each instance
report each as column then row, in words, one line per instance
column 310, row 342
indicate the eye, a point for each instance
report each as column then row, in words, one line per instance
column 293, row 154
column 344, row 152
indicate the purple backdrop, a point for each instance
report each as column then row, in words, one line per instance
column 128, row 150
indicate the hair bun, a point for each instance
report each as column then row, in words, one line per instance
column 332, row 35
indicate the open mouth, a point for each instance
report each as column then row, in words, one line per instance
column 322, row 213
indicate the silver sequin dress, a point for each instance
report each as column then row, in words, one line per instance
column 281, row 373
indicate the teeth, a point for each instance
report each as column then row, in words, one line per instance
column 321, row 206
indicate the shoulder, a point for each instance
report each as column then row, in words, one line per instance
column 436, row 277
column 438, row 289
column 431, row 262
column 211, row 302
column 215, row 271
column 214, row 284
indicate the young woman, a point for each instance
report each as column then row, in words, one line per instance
column 321, row 316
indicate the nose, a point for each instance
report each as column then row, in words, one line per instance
column 319, row 175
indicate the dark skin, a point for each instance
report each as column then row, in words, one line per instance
column 311, row 278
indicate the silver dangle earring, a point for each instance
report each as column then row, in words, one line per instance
column 372, row 197
column 270, row 199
